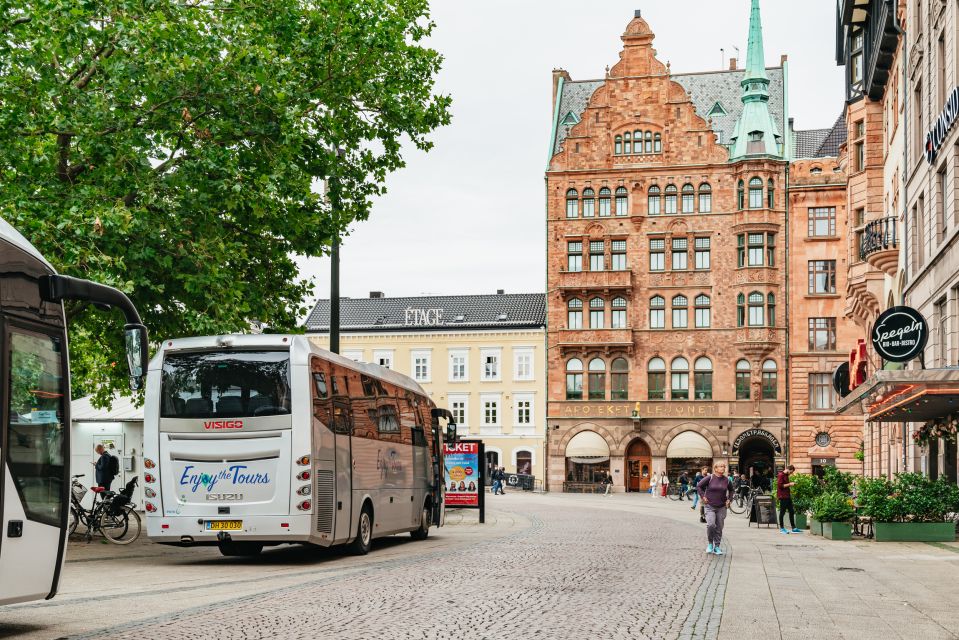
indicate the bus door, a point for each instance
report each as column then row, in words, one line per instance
column 342, row 420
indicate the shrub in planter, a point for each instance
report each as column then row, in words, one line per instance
column 832, row 506
column 804, row 491
column 912, row 508
column 875, row 499
column 836, row 481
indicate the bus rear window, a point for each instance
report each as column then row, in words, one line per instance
column 229, row 384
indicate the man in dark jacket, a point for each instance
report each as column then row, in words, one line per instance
column 105, row 471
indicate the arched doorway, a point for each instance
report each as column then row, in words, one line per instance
column 687, row 452
column 639, row 466
column 757, row 458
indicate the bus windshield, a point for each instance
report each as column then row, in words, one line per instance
column 225, row 384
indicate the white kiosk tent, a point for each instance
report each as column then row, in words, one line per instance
column 119, row 429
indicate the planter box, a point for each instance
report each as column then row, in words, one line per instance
column 915, row 531
column 815, row 527
column 837, row 530
column 801, row 521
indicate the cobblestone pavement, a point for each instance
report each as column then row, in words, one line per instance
column 540, row 568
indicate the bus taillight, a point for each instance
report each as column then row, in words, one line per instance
column 304, row 490
column 304, row 506
column 303, row 475
column 149, row 506
column 150, row 493
column 149, row 464
column 303, row 461
column 149, row 477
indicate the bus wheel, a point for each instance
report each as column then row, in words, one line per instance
column 423, row 530
column 233, row 549
column 364, row 532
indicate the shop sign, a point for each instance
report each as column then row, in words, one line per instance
column 900, row 334
column 840, row 380
column 464, row 483
column 942, row 127
column 757, row 433
column 824, row 462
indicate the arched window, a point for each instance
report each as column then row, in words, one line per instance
column 756, row 193
column 743, row 379
column 649, row 141
column 771, row 310
column 680, row 312
column 771, row 194
column 703, row 379
column 619, row 145
column 703, row 312
column 679, row 379
column 637, row 142
column 597, row 313
column 741, row 310
column 654, row 201
column 619, row 384
column 705, row 198
column 671, row 196
column 741, row 195
column 770, row 380
column 622, row 201
column 572, row 204
column 605, row 202
column 627, row 143
column 658, row 142
column 657, row 312
column 589, row 203
column 656, row 379
column 574, row 314
column 597, row 379
column 618, row 318
column 689, row 198
column 757, row 317
column 574, row 379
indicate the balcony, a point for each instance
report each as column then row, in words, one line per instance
column 584, row 341
column 759, row 342
column 583, row 282
column 880, row 245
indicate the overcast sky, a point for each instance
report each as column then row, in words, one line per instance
column 468, row 217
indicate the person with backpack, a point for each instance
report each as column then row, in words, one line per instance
column 716, row 490
column 683, row 485
column 107, row 467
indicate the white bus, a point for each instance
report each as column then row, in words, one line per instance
column 260, row 440
column 34, row 412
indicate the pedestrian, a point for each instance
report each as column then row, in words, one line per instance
column 502, row 481
column 653, row 481
column 664, row 483
column 494, row 476
column 608, row 481
column 107, row 467
column 785, row 498
column 700, row 474
column 683, row 485
column 717, row 492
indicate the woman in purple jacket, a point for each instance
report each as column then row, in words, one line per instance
column 716, row 490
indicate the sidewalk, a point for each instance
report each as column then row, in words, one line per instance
column 800, row 586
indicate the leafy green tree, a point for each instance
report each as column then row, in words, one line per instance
column 171, row 148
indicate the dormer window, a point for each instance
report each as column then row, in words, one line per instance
column 756, row 143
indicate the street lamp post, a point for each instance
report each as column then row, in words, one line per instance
column 335, row 272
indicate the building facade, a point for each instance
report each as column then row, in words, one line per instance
column 481, row 357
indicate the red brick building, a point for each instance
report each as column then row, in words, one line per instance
column 667, row 274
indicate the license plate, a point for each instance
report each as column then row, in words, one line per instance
column 224, row 525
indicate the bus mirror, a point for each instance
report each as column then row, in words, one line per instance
column 450, row 432
column 135, row 338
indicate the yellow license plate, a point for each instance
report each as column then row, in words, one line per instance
column 224, row 525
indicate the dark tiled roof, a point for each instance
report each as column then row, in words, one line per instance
column 821, row 143
column 836, row 138
column 574, row 100
column 706, row 89
column 476, row 312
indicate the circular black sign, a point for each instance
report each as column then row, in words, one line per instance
column 840, row 380
column 900, row 334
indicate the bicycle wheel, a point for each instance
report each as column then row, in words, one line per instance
column 737, row 505
column 72, row 521
column 122, row 528
column 674, row 493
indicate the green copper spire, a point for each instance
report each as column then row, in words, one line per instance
column 756, row 133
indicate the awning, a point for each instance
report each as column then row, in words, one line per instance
column 689, row 444
column 587, row 444
column 904, row 396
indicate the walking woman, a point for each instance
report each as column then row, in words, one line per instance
column 717, row 492
column 653, row 480
column 664, row 483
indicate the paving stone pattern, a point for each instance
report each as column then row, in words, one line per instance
column 573, row 572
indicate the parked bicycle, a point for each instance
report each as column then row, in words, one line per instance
column 742, row 501
column 112, row 513
column 675, row 492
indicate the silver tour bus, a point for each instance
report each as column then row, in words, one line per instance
column 260, row 440
column 35, row 413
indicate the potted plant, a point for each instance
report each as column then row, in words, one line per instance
column 912, row 508
column 805, row 489
column 833, row 510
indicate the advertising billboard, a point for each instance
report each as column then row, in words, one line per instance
column 464, row 482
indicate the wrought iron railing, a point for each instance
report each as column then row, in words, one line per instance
column 879, row 235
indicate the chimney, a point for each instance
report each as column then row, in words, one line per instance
column 638, row 13
column 783, row 59
column 377, row 294
column 500, row 292
column 733, row 64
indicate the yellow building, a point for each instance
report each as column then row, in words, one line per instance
column 481, row 357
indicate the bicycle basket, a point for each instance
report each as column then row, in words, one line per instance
column 79, row 491
column 117, row 503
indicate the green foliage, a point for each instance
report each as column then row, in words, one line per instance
column 805, row 490
column 171, row 149
column 911, row 497
column 875, row 499
column 832, row 506
column 837, row 481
